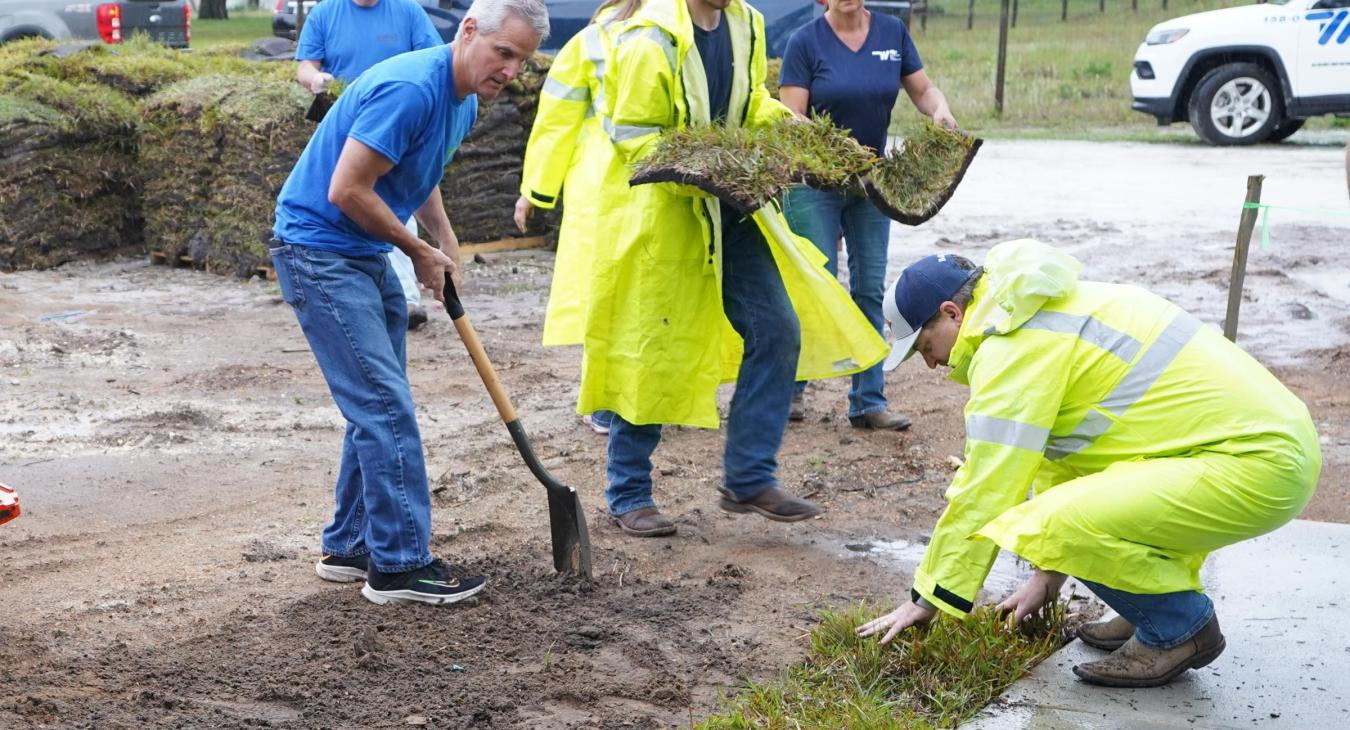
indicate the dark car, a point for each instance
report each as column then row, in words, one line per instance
column 166, row 21
column 568, row 17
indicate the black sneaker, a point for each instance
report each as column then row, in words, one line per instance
column 417, row 316
column 432, row 583
column 342, row 570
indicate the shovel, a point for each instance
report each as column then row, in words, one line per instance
column 567, row 520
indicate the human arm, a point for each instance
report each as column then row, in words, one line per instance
column 563, row 102
column 310, row 52
column 928, row 98
column 310, row 77
column 431, row 215
column 639, row 83
column 352, row 190
column 1017, row 384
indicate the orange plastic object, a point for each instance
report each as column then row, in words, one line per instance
column 9, row 504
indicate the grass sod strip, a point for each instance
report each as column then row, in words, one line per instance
column 747, row 168
column 910, row 186
column 937, row 676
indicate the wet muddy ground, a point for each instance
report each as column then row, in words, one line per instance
column 174, row 445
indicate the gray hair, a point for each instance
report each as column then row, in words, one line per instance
column 491, row 15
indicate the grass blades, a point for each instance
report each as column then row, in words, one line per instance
column 937, row 676
column 749, row 167
column 912, row 184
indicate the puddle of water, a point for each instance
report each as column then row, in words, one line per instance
column 1008, row 573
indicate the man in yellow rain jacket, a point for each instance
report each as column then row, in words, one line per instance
column 680, row 289
column 1147, row 438
column 570, row 151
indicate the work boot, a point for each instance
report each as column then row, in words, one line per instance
column 797, row 411
column 880, row 421
column 417, row 316
column 1108, row 635
column 1136, row 665
column 774, row 503
column 645, row 522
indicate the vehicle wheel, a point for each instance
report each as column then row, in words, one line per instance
column 1285, row 129
column 1238, row 103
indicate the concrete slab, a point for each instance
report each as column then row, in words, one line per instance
column 1283, row 602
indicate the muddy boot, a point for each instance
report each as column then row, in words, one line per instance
column 1136, row 665
column 645, row 522
column 773, row 503
column 1108, row 635
column 880, row 421
column 797, row 411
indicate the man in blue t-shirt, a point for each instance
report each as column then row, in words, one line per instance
column 343, row 38
column 850, row 63
column 376, row 158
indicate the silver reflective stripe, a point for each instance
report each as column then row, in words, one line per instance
column 624, row 132
column 1007, row 432
column 655, row 35
column 554, row 87
column 595, row 53
column 1089, row 329
column 1131, row 388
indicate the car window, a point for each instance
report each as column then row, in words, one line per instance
column 1330, row 4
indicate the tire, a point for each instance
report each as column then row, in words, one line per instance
column 1237, row 104
column 1285, row 129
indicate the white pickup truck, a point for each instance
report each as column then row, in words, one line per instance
column 1247, row 74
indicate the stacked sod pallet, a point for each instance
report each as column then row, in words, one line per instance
column 215, row 151
column 67, row 153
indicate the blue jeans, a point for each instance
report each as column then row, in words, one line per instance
column 1161, row 620
column 820, row 216
column 757, row 305
column 352, row 311
column 602, row 418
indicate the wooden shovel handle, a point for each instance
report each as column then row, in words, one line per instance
column 476, row 352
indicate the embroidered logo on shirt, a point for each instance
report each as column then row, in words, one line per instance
column 887, row 55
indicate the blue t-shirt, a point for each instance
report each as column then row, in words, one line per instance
column 347, row 39
column 856, row 88
column 714, row 49
column 405, row 109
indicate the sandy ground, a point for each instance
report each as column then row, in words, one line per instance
column 174, row 445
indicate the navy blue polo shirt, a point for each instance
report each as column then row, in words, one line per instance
column 856, row 88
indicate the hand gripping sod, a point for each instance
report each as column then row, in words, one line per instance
column 571, row 542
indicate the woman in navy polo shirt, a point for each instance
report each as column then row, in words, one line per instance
column 850, row 64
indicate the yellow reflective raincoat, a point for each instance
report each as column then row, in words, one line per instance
column 657, row 342
column 1148, row 439
column 570, row 151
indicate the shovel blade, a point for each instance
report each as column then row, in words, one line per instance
column 571, row 541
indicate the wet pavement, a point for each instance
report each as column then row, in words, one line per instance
column 1281, row 600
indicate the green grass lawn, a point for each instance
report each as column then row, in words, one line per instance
column 244, row 26
column 1069, row 78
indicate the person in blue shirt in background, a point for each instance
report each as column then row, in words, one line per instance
column 850, row 64
column 376, row 158
column 343, row 38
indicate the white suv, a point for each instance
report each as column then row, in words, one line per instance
column 1247, row 74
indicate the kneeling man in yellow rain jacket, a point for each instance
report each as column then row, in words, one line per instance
column 1147, row 438
column 684, row 294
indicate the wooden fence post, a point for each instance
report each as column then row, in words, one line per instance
column 1244, row 239
column 1014, row 13
column 1064, row 10
column 1002, row 57
column 970, row 14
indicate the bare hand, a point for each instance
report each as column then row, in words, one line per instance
column 910, row 614
column 318, row 81
column 524, row 209
column 944, row 117
column 1040, row 589
column 431, row 265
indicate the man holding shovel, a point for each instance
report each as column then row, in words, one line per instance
column 1148, row 440
column 377, row 157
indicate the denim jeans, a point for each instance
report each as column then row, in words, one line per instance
column 403, row 267
column 757, row 305
column 602, row 418
column 820, row 216
column 1161, row 620
column 352, row 311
